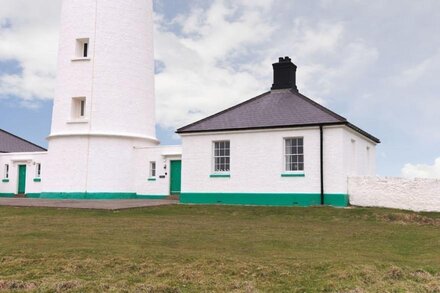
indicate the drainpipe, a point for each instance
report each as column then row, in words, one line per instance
column 321, row 142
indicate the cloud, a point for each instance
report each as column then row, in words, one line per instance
column 202, row 72
column 422, row 171
column 225, row 54
column 30, row 38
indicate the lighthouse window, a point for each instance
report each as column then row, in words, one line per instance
column 78, row 108
column 152, row 169
column 85, row 49
column 82, row 48
column 82, row 108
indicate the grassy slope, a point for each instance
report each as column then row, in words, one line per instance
column 219, row 248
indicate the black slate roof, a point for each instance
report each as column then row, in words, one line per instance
column 274, row 109
column 10, row 143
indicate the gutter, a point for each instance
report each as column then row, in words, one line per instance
column 321, row 154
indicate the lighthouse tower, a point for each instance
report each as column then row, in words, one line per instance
column 104, row 102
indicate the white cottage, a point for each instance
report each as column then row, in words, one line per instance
column 279, row 148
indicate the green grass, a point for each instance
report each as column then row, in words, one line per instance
column 219, row 248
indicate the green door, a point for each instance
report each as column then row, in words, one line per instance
column 22, row 179
column 176, row 176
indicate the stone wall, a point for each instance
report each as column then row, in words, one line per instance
column 390, row 192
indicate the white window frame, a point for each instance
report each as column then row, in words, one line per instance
column 38, row 170
column 80, row 49
column 79, row 108
column 226, row 155
column 153, row 169
column 6, row 171
column 293, row 159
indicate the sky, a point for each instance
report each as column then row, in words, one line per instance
column 376, row 62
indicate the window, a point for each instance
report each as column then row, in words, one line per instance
column 38, row 170
column 222, row 156
column 294, row 154
column 152, row 169
column 6, row 171
column 82, row 48
column 78, row 108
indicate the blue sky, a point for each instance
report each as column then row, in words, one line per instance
column 374, row 62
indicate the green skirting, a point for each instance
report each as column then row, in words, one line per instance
column 140, row 196
column 268, row 199
column 87, row 195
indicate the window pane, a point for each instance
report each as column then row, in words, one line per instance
column 221, row 156
column 294, row 150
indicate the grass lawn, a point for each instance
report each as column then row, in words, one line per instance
column 219, row 248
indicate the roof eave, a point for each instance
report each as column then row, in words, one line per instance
column 180, row 131
column 364, row 133
column 348, row 124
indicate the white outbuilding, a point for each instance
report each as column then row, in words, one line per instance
column 280, row 148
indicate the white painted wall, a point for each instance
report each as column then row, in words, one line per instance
column 162, row 155
column 118, row 77
column 28, row 159
column 95, row 154
column 360, row 154
column 257, row 162
column 399, row 193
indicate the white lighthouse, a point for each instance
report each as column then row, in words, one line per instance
column 104, row 102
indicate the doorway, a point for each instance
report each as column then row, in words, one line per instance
column 21, row 179
column 176, row 177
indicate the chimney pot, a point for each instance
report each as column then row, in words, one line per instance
column 284, row 74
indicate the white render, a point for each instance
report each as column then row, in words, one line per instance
column 95, row 153
column 257, row 161
column 398, row 193
column 162, row 155
column 16, row 159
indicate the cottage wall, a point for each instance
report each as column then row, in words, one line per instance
column 257, row 167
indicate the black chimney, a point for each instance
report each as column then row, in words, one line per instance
column 284, row 74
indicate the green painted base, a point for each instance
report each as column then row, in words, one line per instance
column 87, row 196
column 139, row 196
column 267, row 199
column 33, row 195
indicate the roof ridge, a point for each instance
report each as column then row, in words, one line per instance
column 321, row 107
column 222, row 112
column 25, row 140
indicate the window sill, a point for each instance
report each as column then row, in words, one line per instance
column 152, row 179
column 220, row 175
column 79, row 121
column 5, row 180
column 80, row 59
column 293, row 175
column 37, row 179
